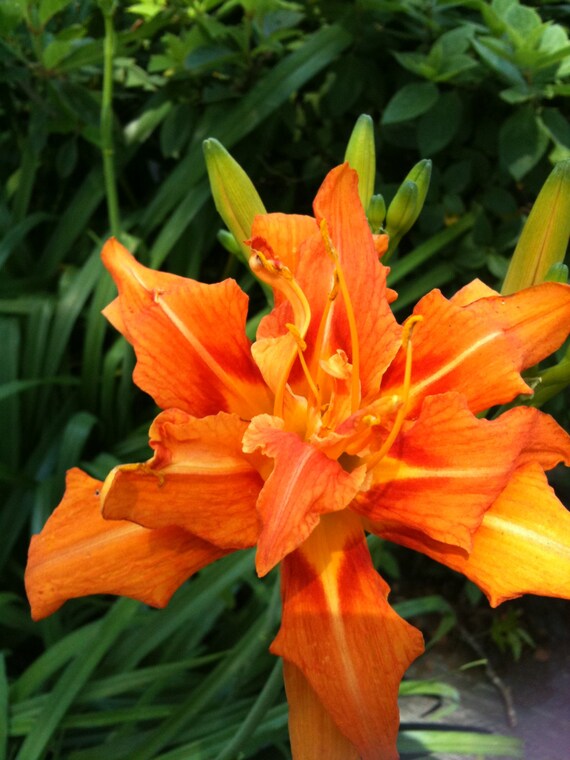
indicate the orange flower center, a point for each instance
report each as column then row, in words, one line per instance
column 333, row 383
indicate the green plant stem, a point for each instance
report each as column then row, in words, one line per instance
column 106, row 124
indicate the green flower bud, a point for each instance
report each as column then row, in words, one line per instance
column 361, row 155
column 236, row 198
column 544, row 238
column 228, row 241
column 402, row 210
column 421, row 175
column 376, row 213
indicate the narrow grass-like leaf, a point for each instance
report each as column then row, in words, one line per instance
column 74, row 221
column 19, row 386
column 267, row 696
column 186, row 607
column 248, row 648
column 412, row 742
column 69, row 308
column 52, row 660
column 18, row 232
column 425, row 251
column 9, row 407
column 74, row 678
column 414, row 290
column 3, row 710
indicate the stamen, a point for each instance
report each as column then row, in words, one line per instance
column 339, row 274
column 301, row 346
column 408, row 326
column 278, row 276
column 323, row 326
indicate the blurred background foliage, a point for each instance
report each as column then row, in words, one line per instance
column 479, row 87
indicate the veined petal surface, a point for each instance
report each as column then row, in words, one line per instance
column 521, row 547
column 379, row 335
column 285, row 233
column 340, row 632
column 199, row 479
column 189, row 338
column 447, row 468
column 303, row 485
column 479, row 349
column 79, row 553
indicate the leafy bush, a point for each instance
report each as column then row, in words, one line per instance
column 480, row 88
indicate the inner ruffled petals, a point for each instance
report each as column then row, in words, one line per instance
column 334, row 602
column 379, row 336
column 303, row 485
column 285, row 235
column 199, row 479
column 79, row 553
column 446, row 469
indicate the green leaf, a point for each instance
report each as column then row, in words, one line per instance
column 74, row 678
column 410, row 102
column 498, row 60
column 439, row 125
column 522, row 142
column 49, row 8
column 3, row 710
column 556, row 125
column 457, row 743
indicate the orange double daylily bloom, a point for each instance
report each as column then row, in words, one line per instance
column 336, row 421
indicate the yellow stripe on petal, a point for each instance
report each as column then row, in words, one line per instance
column 521, row 547
column 446, row 469
column 340, row 632
column 189, row 338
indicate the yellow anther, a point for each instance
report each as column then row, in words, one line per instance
column 370, row 420
column 339, row 277
column 408, row 327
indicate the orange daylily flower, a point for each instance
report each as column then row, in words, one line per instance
column 336, row 421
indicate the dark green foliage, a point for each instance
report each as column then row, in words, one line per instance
column 481, row 88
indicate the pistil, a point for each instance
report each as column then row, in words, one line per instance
column 408, row 327
column 355, row 347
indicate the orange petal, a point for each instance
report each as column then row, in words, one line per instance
column 522, row 546
column 378, row 333
column 340, row 632
column 473, row 291
column 445, row 471
column 312, row 731
column 199, row 479
column 284, row 233
column 79, row 553
column 189, row 338
column 303, row 485
column 480, row 349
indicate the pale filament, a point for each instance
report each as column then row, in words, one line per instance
column 280, row 277
column 339, row 274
